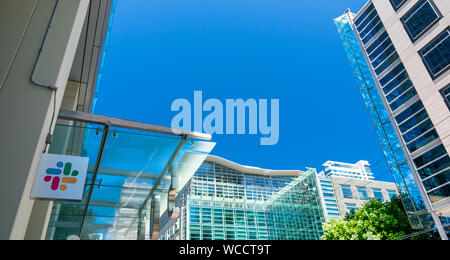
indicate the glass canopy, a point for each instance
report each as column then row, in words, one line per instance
column 126, row 171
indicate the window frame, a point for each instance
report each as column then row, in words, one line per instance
column 440, row 73
column 363, row 190
column 446, row 100
column 378, row 191
column 391, row 193
column 351, row 205
column 417, row 37
column 396, row 8
column 344, row 194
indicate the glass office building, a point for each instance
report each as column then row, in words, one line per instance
column 295, row 212
column 398, row 50
column 227, row 201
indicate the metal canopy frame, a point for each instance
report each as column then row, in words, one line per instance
column 109, row 122
column 128, row 124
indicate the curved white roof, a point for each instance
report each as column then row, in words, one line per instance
column 251, row 169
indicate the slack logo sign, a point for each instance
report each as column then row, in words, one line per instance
column 60, row 177
column 53, row 175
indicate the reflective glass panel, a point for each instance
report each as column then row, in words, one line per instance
column 436, row 55
column 419, row 18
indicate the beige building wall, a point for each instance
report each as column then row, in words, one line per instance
column 337, row 183
column 26, row 110
column 428, row 89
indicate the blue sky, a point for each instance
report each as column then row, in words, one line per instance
column 161, row 50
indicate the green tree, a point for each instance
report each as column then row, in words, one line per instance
column 374, row 221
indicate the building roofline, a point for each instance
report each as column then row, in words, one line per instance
column 251, row 169
column 371, row 180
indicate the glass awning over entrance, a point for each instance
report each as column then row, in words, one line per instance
column 129, row 177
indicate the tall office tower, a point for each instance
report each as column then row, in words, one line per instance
column 358, row 170
column 400, row 54
column 225, row 200
column 345, row 186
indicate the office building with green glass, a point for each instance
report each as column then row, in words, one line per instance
column 400, row 54
column 228, row 201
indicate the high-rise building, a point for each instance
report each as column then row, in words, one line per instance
column 400, row 54
column 358, row 170
column 226, row 200
column 345, row 186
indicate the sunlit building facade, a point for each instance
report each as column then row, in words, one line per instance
column 359, row 170
column 400, row 54
column 346, row 186
column 228, row 201
column 51, row 60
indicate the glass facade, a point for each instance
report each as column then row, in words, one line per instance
column 362, row 193
column 123, row 168
column 391, row 193
column 393, row 81
column 421, row 17
column 378, row 194
column 329, row 203
column 436, row 55
column 295, row 211
column 222, row 203
column 350, row 206
column 347, row 191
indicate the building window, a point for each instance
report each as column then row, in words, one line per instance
column 422, row 141
column 364, row 15
column 378, row 194
column 347, row 191
column 430, row 156
column 421, row 17
column 397, row 92
column 435, row 167
column 392, row 194
column 417, row 130
column 439, row 193
column 397, row 3
column 378, row 45
column 436, row 55
column 446, row 94
column 396, row 76
column 350, row 206
column 403, row 99
column 441, row 179
column 362, row 192
column 407, row 113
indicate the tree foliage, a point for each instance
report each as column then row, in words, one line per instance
column 374, row 221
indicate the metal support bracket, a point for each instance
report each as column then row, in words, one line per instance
column 172, row 210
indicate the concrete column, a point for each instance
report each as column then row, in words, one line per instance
column 26, row 110
column 39, row 218
column 40, row 215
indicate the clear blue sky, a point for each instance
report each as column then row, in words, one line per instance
column 161, row 50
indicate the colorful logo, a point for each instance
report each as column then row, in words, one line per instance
column 57, row 180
